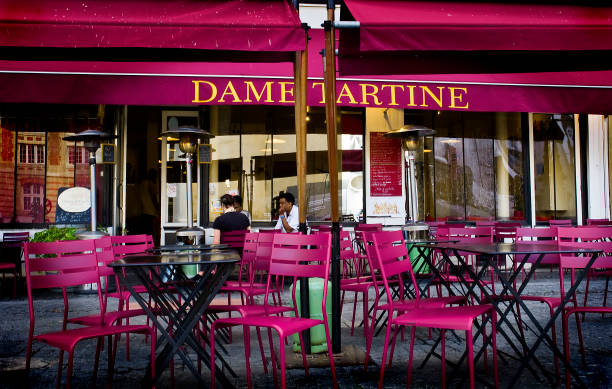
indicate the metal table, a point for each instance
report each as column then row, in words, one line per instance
column 510, row 295
column 164, row 279
column 187, row 247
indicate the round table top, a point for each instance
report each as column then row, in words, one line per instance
column 187, row 247
column 415, row 227
column 186, row 257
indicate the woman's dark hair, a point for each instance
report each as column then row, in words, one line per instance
column 288, row 197
column 227, row 200
column 238, row 199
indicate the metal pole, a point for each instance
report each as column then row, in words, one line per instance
column 413, row 194
column 92, row 177
column 189, row 203
column 332, row 153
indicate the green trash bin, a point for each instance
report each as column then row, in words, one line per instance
column 318, row 343
column 190, row 270
column 419, row 264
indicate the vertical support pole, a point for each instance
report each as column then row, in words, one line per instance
column 92, row 177
column 189, row 201
column 300, row 77
column 332, row 153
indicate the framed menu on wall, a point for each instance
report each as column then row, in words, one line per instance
column 385, row 166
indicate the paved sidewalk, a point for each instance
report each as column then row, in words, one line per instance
column 14, row 328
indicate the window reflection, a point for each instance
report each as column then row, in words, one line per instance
column 555, row 179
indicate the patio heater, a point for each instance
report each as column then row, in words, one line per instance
column 410, row 135
column 91, row 140
column 188, row 144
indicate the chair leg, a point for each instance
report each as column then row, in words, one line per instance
column 365, row 313
column 605, row 296
column 69, row 370
column 96, row 362
column 303, row 352
column 494, row 344
column 394, row 339
column 261, row 350
column 212, row 355
column 282, row 362
column 580, row 341
column 60, row 363
column 409, row 377
column 384, row 354
column 586, row 293
column 470, row 357
column 369, row 337
column 29, row 351
column 330, row 354
column 554, row 339
column 566, row 349
column 246, row 333
column 273, row 356
column 111, row 362
column 443, row 356
column 354, row 309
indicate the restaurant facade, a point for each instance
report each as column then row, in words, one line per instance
column 523, row 147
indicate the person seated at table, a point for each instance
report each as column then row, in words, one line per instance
column 288, row 214
column 230, row 220
column 238, row 207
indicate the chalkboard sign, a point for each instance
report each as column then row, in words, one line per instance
column 73, row 206
column 205, row 153
column 108, row 153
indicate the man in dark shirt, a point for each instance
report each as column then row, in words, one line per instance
column 230, row 220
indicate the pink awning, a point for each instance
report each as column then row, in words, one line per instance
column 245, row 25
column 412, row 37
column 401, row 25
column 174, row 83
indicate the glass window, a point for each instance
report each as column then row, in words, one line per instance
column 35, row 162
column 555, row 178
column 255, row 156
column 472, row 168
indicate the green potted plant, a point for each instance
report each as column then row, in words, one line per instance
column 53, row 234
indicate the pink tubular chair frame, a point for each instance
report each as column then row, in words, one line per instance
column 392, row 261
column 588, row 239
column 235, row 239
column 293, row 256
column 436, row 315
column 66, row 264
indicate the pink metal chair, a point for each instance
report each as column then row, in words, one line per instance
column 125, row 245
column 104, row 252
column 292, row 256
column 569, row 236
column 372, row 227
column 392, row 260
column 591, row 233
column 598, row 222
column 60, row 265
column 560, row 222
column 360, row 283
column 321, row 228
column 12, row 244
column 4, row 266
column 485, row 223
column 235, row 239
column 419, row 312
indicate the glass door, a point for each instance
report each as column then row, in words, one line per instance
column 174, row 177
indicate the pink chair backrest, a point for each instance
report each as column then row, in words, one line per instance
column 346, row 246
column 535, row 236
column 472, row 235
column 560, row 222
column 389, row 252
column 584, row 234
column 60, row 264
column 322, row 228
column 130, row 244
column 234, row 239
column 369, row 227
column 506, row 230
column 297, row 256
column 15, row 236
column 598, row 222
column 485, row 223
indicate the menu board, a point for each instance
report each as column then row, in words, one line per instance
column 205, row 153
column 108, row 153
column 385, row 166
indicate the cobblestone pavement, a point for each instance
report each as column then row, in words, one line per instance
column 14, row 318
